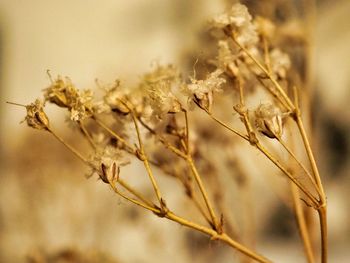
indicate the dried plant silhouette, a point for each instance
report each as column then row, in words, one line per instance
column 160, row 122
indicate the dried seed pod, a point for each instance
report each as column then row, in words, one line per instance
column 103, row 174
column 269, row 120
column 36, row 117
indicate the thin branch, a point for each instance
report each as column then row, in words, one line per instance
column 202, row 190
column 134, row 201
column 263, row 69
column 274, row 160
column 134, row 192
column 86, row 134
column 144, row 159
column 227, row 127
column 300, row 164
column 215, row 236
column 163, row 140
column 73, row 150
column 304, row 233
column 288, row 174
column 187, row 131
column 128, row 146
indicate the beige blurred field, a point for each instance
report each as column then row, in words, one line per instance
column 47, row 206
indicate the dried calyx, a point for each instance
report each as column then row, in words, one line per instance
column 202, row 91
column 268, row 120
column 36, row 117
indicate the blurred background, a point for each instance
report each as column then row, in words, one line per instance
column 47, row 207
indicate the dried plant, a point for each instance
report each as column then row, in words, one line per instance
column 156, row 123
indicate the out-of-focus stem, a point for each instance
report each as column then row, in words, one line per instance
column 304, row 233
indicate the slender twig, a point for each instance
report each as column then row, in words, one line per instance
column 275, row 161
column 300, row 217
column 288, row 174
column 322, row 213
column 86, row 134
column 73, row 150
column 128, row 146
column 200, row 209
column 214, row 235
column 163, row 140
column 322, row 207
column 263, row 69
column 143, row 157
column 134, row 192
column 136, row 202
column 187, row 131
column 267, row 54
column 202, row 190
column 300, row 164
column 227, row 127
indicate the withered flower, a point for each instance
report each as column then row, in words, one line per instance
column 65, row 94
column 201, row 91
column 115, row 96
column 159, row 85
column 36, row 117
column 239, row 21
column 268, row 120
column 106, row 162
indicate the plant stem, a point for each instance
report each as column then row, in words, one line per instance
column 202, row 190
column 86, row 134
column 322, row 213
column 322, row 207
column 73, row 150
column 300, row 164
column 304, row 233
column 136, row 202
column 115, row 135
column 274, row 160
column 208, row 231
column 287, row 173
column 215, row 236
column 310, row 155
column 143, row 158
column 134, row 192
column 227, row 127
column 274, row 82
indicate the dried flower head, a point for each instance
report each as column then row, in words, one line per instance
column 239, row 21
column 36, row 117
column 107, row 162
column 268, row 120
column 61, row 92
column 159, row 85
column 225, row 56
column 114, row 98
column 264, row 27
column 201, row 91
column 65, row 94
column 280, row 63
